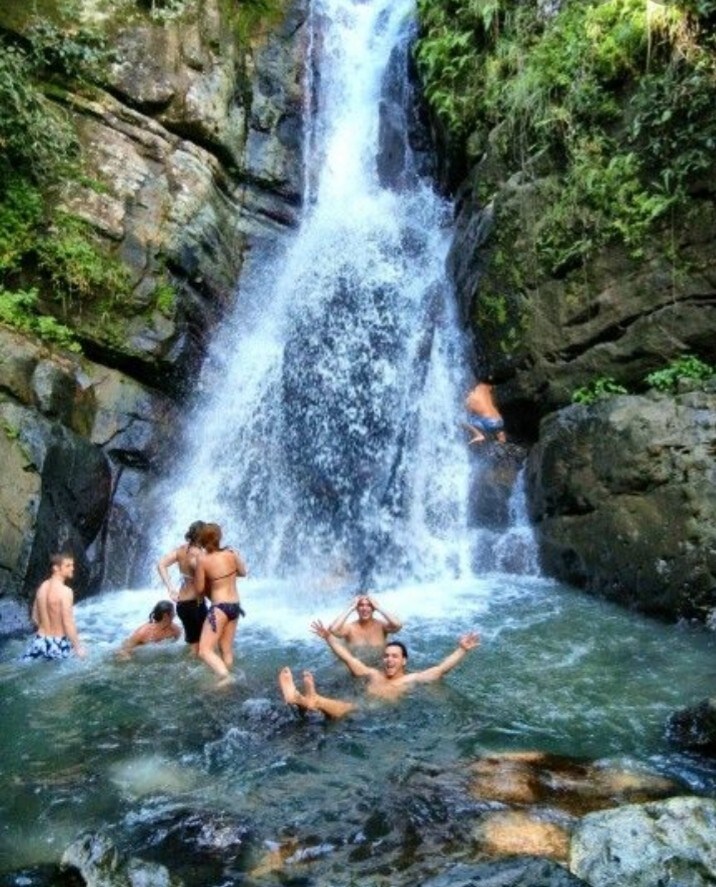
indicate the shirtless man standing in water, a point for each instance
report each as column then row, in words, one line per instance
column 389, row 682
column 366, row 630
column 53, row 614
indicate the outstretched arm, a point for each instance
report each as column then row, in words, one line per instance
column 136, row 639
column 355, row 666
column 163, row 569
column 392, row 623
column 337, row 627
column 68, row 624
column 467, row 642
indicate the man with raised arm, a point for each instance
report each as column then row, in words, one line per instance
column 389, row 682
column 366, row 630
column 53, row 614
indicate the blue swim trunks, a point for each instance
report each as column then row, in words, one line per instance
column 45, row 646
column 486, row 424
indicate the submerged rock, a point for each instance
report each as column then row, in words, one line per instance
column 694, row 728
column 522, row 871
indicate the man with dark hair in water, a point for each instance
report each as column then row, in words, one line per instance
column 366, row 630
column 389, row 682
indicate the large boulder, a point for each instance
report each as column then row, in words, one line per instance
column 641, row 845
column 623, row 497
column 96, row 860
column 79, row 444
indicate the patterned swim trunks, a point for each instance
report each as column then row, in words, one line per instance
column 48, row 647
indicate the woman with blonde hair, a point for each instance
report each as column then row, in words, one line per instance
column 216, row 573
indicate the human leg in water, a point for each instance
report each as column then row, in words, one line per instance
column 310, row 699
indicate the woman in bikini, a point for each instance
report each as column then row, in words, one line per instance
column 216, row 574
column 160, row 627
column 191, row 608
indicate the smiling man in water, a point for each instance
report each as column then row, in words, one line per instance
column 389, row 682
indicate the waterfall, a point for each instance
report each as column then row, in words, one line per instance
column 326, row 439
column 515, row 551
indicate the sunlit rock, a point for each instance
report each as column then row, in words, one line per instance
column 95, row 858
column 666, row 842
column 575, row 787
column 516, row 832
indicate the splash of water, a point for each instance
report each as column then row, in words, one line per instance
column 329, row 445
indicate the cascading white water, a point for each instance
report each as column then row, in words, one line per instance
column 328, row 440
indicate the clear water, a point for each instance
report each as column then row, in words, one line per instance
column 326, row 441
column 132, row 747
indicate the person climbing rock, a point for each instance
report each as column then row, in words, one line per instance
column 485, row 420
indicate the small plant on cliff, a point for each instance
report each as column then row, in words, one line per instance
column 19, row 310
column 78, row 270
column 686, row 368
column 598, row 389
column 36, row 139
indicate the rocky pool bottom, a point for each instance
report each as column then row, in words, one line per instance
column 561, row 710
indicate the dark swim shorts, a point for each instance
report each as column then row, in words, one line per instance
column 192, row 615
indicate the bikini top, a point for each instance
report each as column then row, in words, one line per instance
column 225, row 576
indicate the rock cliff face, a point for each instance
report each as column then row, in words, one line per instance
column 618, row 315
column 190, row 147
column 621, row 493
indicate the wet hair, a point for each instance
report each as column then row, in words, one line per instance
column 364, row 597
column 161, row 610
column 398, row 644
column 210, row 537
column 57, row 559
column 194, row 531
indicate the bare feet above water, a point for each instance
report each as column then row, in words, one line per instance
column 288, row 687
column 309, row 690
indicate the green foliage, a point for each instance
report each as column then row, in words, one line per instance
column 602, row 198
column 36, row 139
column 19, row 310
column 164, row 297
column 616, row 96
column 73, row 53
column 11, row 431
column 597, row 389
column 77, row 269
column 21, row 210
column 688, row 367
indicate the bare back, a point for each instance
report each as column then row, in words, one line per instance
column 187, row 557
column 480, row 401
column 53, row 609
column 217, row 573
